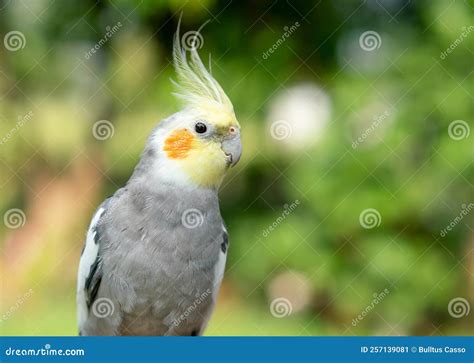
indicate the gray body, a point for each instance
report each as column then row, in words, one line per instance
column 158, row 274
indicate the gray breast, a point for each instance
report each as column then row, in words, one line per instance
column 159, row 253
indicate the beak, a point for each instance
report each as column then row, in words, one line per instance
column 232, row 148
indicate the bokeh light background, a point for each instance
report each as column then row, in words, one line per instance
column 356, row 179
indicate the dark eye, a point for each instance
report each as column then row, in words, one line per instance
column 200, row 128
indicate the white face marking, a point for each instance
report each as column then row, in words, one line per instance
column 217, row 280
column 163, row 168
column 88, row 257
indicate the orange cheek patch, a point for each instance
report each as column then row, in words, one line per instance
column 178, row 144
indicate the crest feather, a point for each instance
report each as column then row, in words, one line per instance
column 195, row 85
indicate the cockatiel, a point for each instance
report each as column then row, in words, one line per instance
column 155, row 251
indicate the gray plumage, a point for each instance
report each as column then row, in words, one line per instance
column 154, row 272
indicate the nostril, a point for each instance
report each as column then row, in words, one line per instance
column 232, row 130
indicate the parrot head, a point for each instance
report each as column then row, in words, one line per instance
column 198, row 144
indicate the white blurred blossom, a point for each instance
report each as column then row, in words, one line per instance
column 298, row 115
column 292, row 286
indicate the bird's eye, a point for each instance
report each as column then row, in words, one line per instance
column 200, row 127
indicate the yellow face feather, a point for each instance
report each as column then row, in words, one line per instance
column 205, row 164
column 202, row 159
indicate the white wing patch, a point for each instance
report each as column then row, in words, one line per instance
column 89, row 255
column 217, row 280
column 218, row 274
column 220, row 265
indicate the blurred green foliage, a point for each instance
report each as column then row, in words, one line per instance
column 410, row 170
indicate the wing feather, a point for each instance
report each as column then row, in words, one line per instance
column 90, row 269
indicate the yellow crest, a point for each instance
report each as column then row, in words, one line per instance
column 196, row 86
